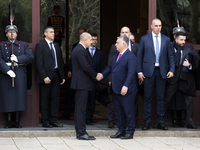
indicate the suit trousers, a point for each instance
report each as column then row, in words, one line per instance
column 90, row 108
column 81, row 97
column 50, row 95
column 111, row 114
column 136, row 107
column 171, row 90
column 149, row 83
column 125, row 112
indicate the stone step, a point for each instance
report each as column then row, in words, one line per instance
column 99, row 130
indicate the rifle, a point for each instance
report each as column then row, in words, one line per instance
column 11, row 22
column 176, row 18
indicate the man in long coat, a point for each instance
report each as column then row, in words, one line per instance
column 13, row 99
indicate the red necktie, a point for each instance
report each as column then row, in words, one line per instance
column 92, row 51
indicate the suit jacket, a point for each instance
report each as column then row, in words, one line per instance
column 45, row 62
column 70, row 61
column 187, row 82
column 83, row 75
column 146, row 56
column 97, row 60
column 122, row 72
column 113, row 50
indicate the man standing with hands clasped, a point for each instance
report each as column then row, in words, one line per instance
column 155, row 64
column 50, row 75
column 124, row 87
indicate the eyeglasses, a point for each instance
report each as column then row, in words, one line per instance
column 94, row 39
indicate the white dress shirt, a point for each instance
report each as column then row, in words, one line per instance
column 154, row 43
column 94, row 49
column 56, row 65
column 129, row 45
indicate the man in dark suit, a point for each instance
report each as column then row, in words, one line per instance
column 155, row 64
column 177, row 104
column 82, row 81
column 50, row 75
column 96, row 56
column 124, row 87
column 70, row 92
column 133, row 46
column 186, row 60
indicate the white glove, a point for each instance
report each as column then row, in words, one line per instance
column 11, row 74
column 13, row 58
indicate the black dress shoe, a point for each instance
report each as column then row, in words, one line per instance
column 55, row 124
column 127, row 136
column 118, row 134
column 77, row 136
column 17, row 125
column 86, row 137
column 191, row 126
column 146, row 126
column 155, row 125
column 8, row 124
column 47, row 125
column 111, row 124
column 162, row 126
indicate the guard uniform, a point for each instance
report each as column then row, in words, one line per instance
column 14, row 98
column 58, row 23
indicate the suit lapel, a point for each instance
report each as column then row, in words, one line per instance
column 89, row 52
column 48, row 48
column 132, row 46
column 96, row 53
column 185, row 52
column 121, row 58
column 151, row 43
column 162, row 44
column 56, row 49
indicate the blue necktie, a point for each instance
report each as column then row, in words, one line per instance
column 52, row 50
column 157, row 49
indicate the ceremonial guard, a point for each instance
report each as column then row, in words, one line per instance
column 14, row 55
column 58, row 23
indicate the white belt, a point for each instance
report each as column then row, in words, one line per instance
column 10, row 64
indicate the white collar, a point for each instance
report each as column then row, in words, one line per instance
column 48, row 41
column 82, row 45
column 155, row 34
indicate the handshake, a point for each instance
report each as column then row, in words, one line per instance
column 99, row 77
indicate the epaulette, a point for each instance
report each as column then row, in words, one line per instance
column 189, row 43
column 1, row 41
column 23, row 42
